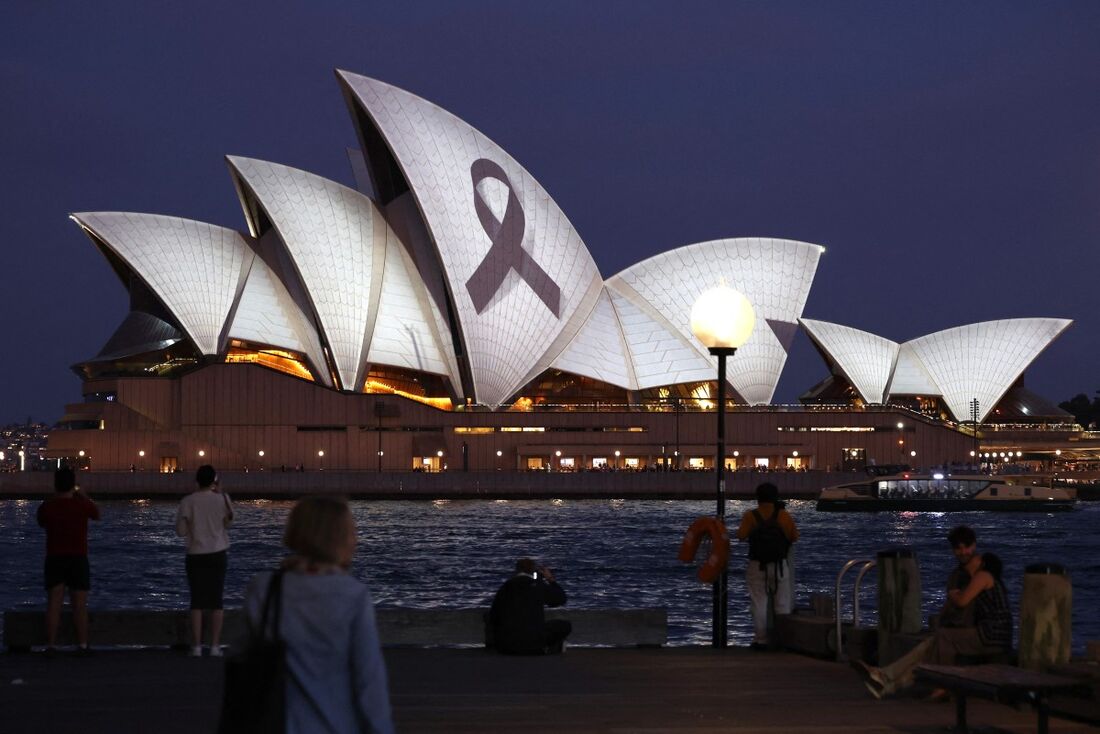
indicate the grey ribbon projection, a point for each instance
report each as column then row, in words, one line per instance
column 507, row 252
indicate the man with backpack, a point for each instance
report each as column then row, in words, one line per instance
column 770, row 531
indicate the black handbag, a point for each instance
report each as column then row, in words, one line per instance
column 254, row 695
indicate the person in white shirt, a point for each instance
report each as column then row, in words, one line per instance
column 203, row 519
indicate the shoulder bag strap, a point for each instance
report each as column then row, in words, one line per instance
column 273, row 606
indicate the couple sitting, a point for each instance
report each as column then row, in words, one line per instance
column 976, row 619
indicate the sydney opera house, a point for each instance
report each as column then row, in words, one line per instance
column 446, row 314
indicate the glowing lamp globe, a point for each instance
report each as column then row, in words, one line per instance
column 722, row 318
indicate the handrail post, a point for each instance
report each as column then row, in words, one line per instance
column 855, row 590
column 836, row 605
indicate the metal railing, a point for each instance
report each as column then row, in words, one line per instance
column 868, row 564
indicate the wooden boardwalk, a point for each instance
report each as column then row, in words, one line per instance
column 440, row 690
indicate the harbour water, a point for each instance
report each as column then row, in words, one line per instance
column 606, row 553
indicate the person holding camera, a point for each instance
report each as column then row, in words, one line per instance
column 203, row 520
column 65, row 519
column 517, row 622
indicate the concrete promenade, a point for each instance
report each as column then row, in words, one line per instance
column 449, row 690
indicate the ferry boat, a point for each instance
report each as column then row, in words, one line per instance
column 944, row 493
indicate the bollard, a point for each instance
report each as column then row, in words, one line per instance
column 899, row 596
column 1046, row 607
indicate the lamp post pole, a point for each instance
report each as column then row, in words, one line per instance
column 721, row 584
column 974, row 408
column 722, row 320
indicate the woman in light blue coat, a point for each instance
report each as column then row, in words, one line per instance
column 336, row 677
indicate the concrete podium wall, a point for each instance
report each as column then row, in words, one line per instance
column 419, row 485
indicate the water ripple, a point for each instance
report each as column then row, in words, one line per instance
column 606, row 553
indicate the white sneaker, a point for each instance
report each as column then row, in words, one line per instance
column 216, row 651
column 196, row 651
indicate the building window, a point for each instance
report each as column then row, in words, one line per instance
column 696, row 462
column 599, row 462
column 632, row 462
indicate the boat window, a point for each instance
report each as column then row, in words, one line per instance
column 993, row 491
column 1027, row 491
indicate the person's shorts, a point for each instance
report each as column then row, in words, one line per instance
column 206, row 578
column 71, row 571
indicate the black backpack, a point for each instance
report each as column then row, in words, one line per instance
column 767, row 542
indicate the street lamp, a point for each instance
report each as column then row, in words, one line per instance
column 722, row 320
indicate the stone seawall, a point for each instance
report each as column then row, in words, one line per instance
column 424, row 486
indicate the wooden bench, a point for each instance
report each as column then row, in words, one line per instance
column 397, row 627
column 1001, row 683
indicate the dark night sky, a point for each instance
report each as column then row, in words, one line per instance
column 946, row 154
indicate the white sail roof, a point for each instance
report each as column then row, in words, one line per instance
column 410, row 331
column 599, row 349
column 866, row 360
column 268, row 315
column 518, row 273
column 910, row 377
column 197, row 270
column 337, row 239
column 775, row 275
column 658, row 353
column 981, row 361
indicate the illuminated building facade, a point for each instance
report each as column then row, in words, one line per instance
column 446, row 313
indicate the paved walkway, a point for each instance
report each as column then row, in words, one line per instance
column 585, row 690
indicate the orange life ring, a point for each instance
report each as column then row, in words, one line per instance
column 719, row 547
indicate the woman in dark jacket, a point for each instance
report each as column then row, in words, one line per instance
column 991, row 633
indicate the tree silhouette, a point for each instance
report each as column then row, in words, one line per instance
column 1086, row 412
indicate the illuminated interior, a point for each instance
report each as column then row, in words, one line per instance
column 561, row 389
column 280, row 360
column 421, row 387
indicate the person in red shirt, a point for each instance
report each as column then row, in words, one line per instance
column 65, row 517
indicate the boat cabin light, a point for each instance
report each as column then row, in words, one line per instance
column 937, row 476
